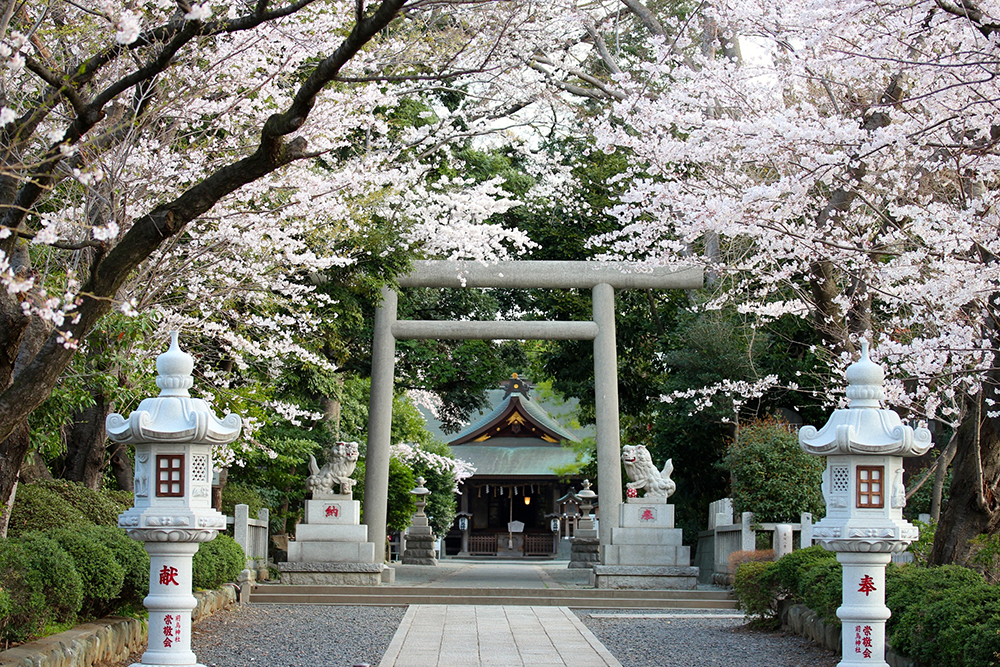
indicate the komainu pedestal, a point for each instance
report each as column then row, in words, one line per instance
column 646, row 550
column 331, row 545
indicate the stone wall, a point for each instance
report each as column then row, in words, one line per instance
column 804, row 622
column 105, row 641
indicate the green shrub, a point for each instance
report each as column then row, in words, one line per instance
column 755, row 586
column 132, row 558
column 910, row 589
column 51, row 570
column 27, row 606
column 217, row 562
column 234, row 494
column 38, row 507
column 97, row 566
column 98, row 506
column 771, row 475
column 6, row 606
column 955, row 627
column 821, row 588
column 791, row 569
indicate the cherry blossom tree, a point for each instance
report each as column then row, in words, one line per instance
column 844, row 171
column 208, row 164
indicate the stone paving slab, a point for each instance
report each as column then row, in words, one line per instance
column 507, row 636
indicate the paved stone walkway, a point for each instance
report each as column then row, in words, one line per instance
column 507, row 636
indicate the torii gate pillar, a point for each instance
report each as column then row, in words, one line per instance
column 600, row 277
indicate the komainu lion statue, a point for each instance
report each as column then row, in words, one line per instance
column 644, row 475
column 340, row 463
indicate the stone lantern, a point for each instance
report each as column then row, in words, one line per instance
column 173, row 435
column 864, row 447
column 420, row 537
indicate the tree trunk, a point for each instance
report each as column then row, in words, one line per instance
column 34, row 469
column 972, row 507
column 121, row 466
column 86, row 443
column 12, row 453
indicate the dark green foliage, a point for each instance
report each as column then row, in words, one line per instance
column 772, row 476
column 791, row 569
column 132, row 557
column 217, row 562
column 944, row 616
column 237, row 493
column 26, row 603
column 400, row 503
column 98, row 506
column 821, row 588
column 909, row 588
column 37, row 507
column 99, row 571
column 53, row 503
column 52, row 572
column 756, row 586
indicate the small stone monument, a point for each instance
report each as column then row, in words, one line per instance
column 420, row 538
column 173, row 435
column 585, row 546
column 331, row 546
column 645, row 550
column 864, row 448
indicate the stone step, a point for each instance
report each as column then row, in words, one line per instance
column 578, row 598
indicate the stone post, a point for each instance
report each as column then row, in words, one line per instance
column 606, row 408
column 173, row 436
column 864, row 448
column 380, row 422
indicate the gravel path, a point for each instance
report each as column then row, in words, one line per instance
column 699, row 642
column 295, row 636
column 336, row 636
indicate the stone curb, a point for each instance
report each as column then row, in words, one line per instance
column 804, row 622
column 108, row 640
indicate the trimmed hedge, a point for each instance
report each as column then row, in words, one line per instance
column 27, row 610
column 51, row 570
column 97, row 566
column 37, row 507
column 218, row 562
column 133, row 559
column 941, row 616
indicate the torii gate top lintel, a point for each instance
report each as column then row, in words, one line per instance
column 603, row 278
column 550, row 275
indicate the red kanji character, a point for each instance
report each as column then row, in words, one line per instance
column 168, row 619
column 647, row 515
column 868, row 629
column 857, row 628
column 867, row 641
column 867, row 653
column 168, row 631
column 332, row 510
column 168, row 575
column 867, row 585
column 167, row 642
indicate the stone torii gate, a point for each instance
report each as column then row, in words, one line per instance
column 603, row 278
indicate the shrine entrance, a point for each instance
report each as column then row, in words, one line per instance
column 602, row 278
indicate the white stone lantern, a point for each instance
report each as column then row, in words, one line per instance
column 173, row 435
column 864, row 447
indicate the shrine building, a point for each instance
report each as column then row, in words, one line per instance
column 514, row 505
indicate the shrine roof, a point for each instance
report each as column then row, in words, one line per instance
column 541, row 425
column 512, row 457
